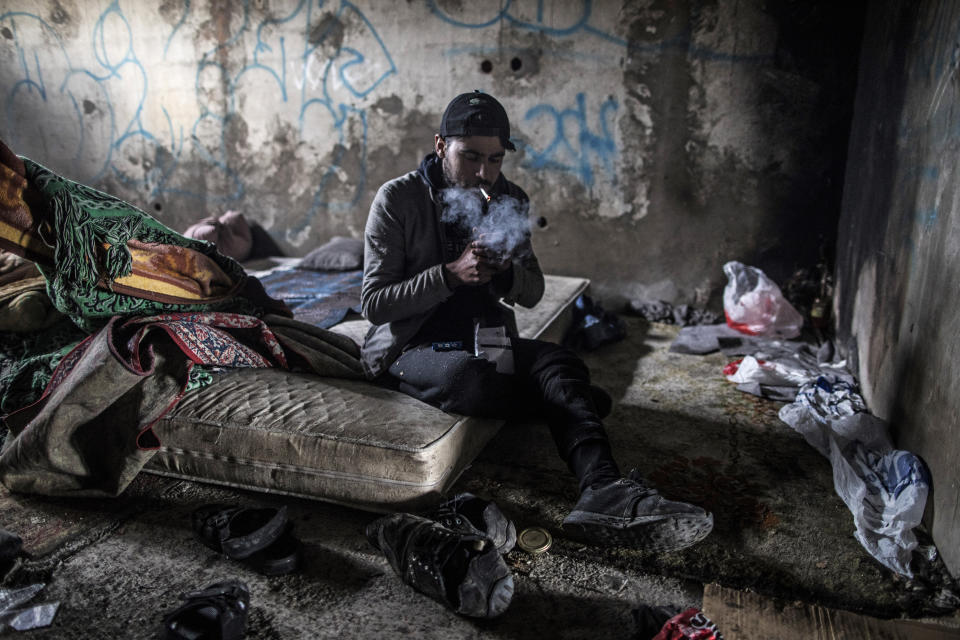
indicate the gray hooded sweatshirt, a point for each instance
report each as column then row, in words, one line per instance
column 403, row 278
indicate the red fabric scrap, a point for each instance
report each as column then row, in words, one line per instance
column 692, row 624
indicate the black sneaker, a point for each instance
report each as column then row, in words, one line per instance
column 462, row 570
column 627, row 512
column 470, row 514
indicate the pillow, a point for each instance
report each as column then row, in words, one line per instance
column 230, row 232
column 339, row 254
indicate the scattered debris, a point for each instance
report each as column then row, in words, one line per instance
column 24, row 619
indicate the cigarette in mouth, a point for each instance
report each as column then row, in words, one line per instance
column 484, row 194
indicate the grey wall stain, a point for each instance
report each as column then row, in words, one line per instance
column 328, row 31
column 392, row 105
column 58, row 15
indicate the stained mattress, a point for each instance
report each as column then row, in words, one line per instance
column 343, row 441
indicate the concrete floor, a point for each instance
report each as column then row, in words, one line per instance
column 116, row 566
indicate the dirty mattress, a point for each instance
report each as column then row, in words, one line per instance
column 343, row 441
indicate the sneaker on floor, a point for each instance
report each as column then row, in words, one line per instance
column 462, row 570
column 470, row 514
column 628, row 512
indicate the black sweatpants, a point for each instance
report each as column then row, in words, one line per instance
column 549, row 381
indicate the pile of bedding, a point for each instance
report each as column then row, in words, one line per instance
column 151, row 306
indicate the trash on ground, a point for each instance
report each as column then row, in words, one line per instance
column 884, row 488
column 13, row 598
column 691, row 624
column 776, row 369
column 35, row 617
column 754, row 304
column 534, row 540
column 683, row 315
column 23, row 619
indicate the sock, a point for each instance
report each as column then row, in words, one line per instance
column 593, row 464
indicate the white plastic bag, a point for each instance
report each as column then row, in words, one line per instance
column 884, row 488
column 754, row 304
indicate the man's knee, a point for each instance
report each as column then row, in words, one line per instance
column 474, row 388
column 551, row 357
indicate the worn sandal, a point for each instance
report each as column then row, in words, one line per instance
column 238, row 532
column 217, row 612
column 280, row 558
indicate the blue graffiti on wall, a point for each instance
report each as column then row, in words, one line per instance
column 47, row 77
column 574, row 145
column 356, row 74
column 54, row 93
column 579, row 24
column 490, row 15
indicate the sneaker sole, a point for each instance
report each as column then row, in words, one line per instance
column 487, row 588
column 509, row 539
column 661, row 534
column 500, row 596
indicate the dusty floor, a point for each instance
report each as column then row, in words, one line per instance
column 116, row 566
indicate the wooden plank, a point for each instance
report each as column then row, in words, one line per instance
column 746, row 615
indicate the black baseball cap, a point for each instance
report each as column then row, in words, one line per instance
column 476, row 114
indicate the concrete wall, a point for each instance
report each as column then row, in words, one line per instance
column 657, row 139
column 898, row 248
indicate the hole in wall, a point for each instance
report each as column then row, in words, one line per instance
column 516, row 63
column 157, row 206
column 542, row 222
column 486, row 66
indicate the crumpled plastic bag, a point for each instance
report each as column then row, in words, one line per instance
column 884, row 488
column 753, row 304
column 769, row 372
column 786, row 370
column 24, row 619
column 691, row 624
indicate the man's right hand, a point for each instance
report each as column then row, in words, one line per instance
column 475, row 266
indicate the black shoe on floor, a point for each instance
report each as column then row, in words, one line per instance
column 216, row 611
column 462, row 570
column 628, row 512
column 467, row 513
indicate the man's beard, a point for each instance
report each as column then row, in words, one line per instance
column 448, row 177
column 451, row 181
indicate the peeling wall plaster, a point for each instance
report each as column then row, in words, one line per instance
column 673, row 135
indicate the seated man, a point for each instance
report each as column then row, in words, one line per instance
column 443, row 246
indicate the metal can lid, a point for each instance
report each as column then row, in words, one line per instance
column 534, row 540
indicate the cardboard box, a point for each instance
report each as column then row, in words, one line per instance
column 743, row 615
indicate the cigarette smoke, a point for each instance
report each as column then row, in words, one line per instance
column 504, row 226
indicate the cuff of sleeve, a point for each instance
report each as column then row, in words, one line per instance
column 444, row 278
column 514, row 286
